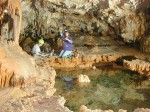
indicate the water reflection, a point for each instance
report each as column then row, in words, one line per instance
column 109, row 88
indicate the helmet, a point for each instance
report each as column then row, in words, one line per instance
column 41, row 41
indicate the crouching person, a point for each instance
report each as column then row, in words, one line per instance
column 67, row 45
column 36, row 51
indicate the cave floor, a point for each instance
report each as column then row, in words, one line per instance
column 105, row 50
column 111, row 46
column 34, row 97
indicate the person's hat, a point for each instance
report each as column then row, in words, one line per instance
column 66, row 31
column 41, row 41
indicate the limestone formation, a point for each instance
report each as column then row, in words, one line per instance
column 140, row 66
column 145, row 44
column 89, row 21
column 90, row 40
column 37, row 97
column 142, row 110
column 127, row 19
column 85, row 109
column 83, row 79
column 82, row 62
column 10, row 21
column 20, row 69
column 17, row 67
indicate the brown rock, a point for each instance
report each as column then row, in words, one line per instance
column 138, row 65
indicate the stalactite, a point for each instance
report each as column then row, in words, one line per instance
column 10, row 22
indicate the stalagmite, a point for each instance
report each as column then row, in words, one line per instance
column 102, row 31
column 16, row 66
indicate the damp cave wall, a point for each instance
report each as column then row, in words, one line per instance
column 16, row 66
column 128, row 18
column 125, row 19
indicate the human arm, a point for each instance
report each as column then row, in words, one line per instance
column 69, row 40
column 66, row 37
column 61, row 34
column 37, row 51
column 43, row 54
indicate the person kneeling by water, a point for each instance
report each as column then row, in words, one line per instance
column 36, row 51
column 67, row 45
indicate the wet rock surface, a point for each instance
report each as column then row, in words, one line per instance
column 90, row 56
column 127, row 20
column 141, row 66
column 85, row 109
column 112, row 89
column 37, row 97
column 33, row 84
column 123, row 20
column 16, row 66
column 145, row 47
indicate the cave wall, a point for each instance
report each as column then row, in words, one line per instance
column 126, row 18
column 16, row 67
column 10, row 21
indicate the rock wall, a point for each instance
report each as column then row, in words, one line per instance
column 85, row 109
column 140, row 66
column 126, row 18
column 83, row 62
column 145, row 44
column 16, row 66
column 10, row 21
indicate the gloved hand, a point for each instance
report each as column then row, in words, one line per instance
column 60, row 33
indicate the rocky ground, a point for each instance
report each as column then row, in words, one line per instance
column 104, row 53
column 38, row 97
column 34, row 81
column 85, row 109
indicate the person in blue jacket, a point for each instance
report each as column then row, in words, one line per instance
column 67, row 45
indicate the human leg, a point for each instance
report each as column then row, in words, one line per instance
column 61, row 53
column 66, row 54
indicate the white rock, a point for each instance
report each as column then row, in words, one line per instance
column 83, row 79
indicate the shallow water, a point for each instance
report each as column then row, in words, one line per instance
column 109, row 89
